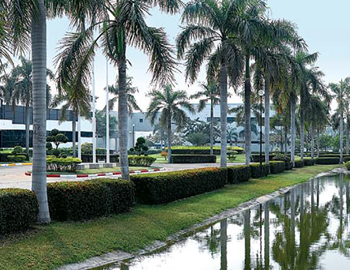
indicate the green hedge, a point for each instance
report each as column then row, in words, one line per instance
column 256, row 157
column 202, row 150
column 238, row 174
column 89, row 199
column 171, row 186
column 299, row 164
column 16, row 158
column 277, row 167
column 4, row 156
column 347, row 165
column 87, row 158
column 289, row 165
column 68, row 164
column 193, row 158
column 309, row 162
column 18, row 210
column 327, row 160
column 255, row 170
column 141, row 161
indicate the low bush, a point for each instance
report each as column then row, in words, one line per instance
column 193, row 159
column 18, row 210
column 277, row 167
column 145, row 161
column 62, row 164
column 281, row 157
column 289, row 165
column 202, row 150
column 238, row 174
column 4, row 156
column 16, row 158
column 347, row 165
column 309, row 162
column 327, row 160
column 17, row 150
column 256, row 157
column 255, row 170
column 299, row 163
column 76, row 201
column 171, row 186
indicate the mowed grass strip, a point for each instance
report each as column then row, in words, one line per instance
column 48, row 247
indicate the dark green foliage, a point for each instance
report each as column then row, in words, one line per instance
column 255, row 170
column 193, row 158
column 56, row 152
column 17, row 150
column 277, row 167
column 49, row 146
column 327, row 160
column 140, row 147
column 87, row 158
column 141, row 160
column 194, row 151
column 4, row 156
column 16, row 158
column 171, row 186
column 18, row 210
column 238, row 174
column 281, row 157
column 289, row 165
column 89, row 199
column 347, row 165
column 256, row 157
column 309, row 162
column 299, row 164
column 56, row 138
column 62, row 164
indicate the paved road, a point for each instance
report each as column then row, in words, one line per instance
column 14, row 177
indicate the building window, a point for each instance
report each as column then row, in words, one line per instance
column 141, row 120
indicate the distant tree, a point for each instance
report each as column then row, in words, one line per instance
column 140, row 147
column 197, row 138
column 56, row 138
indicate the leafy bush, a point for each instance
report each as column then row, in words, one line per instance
column 89, row 199
column 18, row 210
column 347, row 165
column 289, row 165
column 56, row 138
column 164, row 154
column 4, row 157
column 141, row 161
column 256, row 157
column 56, row 152
column 309, row 162
column 327, row 160
column 16, row 158
column 238, row 174
column 62, row 164
column 17, row 150
column 49, row 146
column 140, row 147
column 281, row 157
column 193, row 159
column 277, row 167
column 87, row 148
column 231, row 156
column 255, row 170
column 171, row 186
column 299, row 163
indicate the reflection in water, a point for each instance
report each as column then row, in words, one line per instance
column 307, row 228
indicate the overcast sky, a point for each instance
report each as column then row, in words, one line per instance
column 323, row 24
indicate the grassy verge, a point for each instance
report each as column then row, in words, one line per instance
column 48, row 247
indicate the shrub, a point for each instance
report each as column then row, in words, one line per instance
column 56, row 152
column 347, row 165
column 19, row 210
column 171, row 186
column 193, row 159
column 164, row 154
column 256, row 157
column 62, row 164
column 4, row 156
column 255, row 170
column 309, row 162
column 16, row 158
column 145, row 161
column 201, row 150
column 281, row 157
column 299, row 163
column 238, row 174
column 327, row 160
column 277, row 167
column 289, row 165
column 17, row 150
column 89, row 199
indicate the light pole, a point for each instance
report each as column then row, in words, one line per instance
column 107, row 115
column 93, row 114
column 133, row 135
column 261, row 93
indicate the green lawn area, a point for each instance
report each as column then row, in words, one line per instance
column 48, row 247
column 239, row 159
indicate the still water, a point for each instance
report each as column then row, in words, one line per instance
column 307, row 228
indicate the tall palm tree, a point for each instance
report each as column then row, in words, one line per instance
column 210, row 93
column 123, row 24
column 208, row 23
column 167, row 106
column 340, row 91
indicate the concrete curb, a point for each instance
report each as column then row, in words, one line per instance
column 16, row 164
column 92, row 176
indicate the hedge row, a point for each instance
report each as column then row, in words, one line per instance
column 193, row 158
column 238, row 174
column 327, row 160
column 277, row 167
column 4, row 157
column 257, row 172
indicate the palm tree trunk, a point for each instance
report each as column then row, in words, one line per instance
column 223, row 114
column 341, row 137
column 74, row 132
column 123, row 119
column 318, row 142
column 27, row 126
column 285, row 139
column 347, row 138
column 247, row 127
column 302, row 133
column 312, row 140
column 223, row 244
column 267, row 121
column 211, row 127
column 293, row 129
column 38, row 37
column 169, row 138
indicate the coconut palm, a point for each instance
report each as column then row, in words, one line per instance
column 122, row 25
column 167, row 105
column 340, row 91
column 210, row 93
column 208, row 23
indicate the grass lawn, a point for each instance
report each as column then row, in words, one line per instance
column 48, row 247
column 239, row 159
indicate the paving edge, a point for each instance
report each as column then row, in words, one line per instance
column 16, row 164
column 116, row 257
column 96, row 175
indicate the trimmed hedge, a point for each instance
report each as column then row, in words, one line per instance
column 309, row 162
column 16, row 158
column 256, row 157
column 238, row 174
column 327, row 160
column 68, row 164
column 86, row 200
column 193, row 159
column 299, row 163
column 289, row 165
column 171, row 186
column 141, row 161
column 18, row 210
column 202, row 150
column 277, row 167
column 255, row 170
column 4, row 156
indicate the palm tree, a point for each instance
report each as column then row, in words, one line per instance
column 341, row 90
column 77, row 99
column 209, row 24
column 167, row 105
column 211, row 94
column 123, row 24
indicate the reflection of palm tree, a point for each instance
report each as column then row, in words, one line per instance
column 223, row 244
column 246, row 230
column 209, row 241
